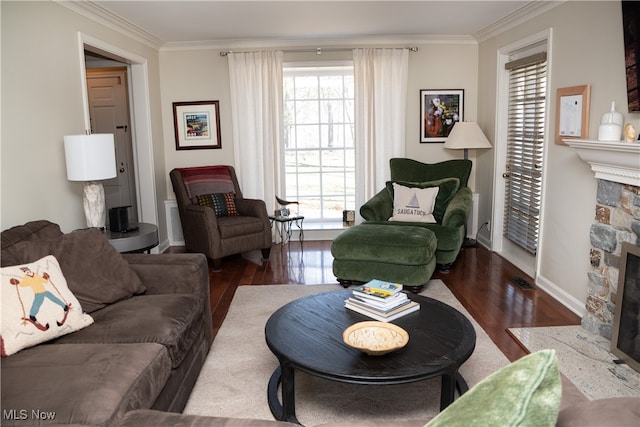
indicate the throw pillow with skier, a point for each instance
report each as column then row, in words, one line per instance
column 37, row 305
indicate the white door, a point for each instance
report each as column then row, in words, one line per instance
column 521, row 137
column 109, row 111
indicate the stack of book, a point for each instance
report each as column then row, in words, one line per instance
column 381, row 301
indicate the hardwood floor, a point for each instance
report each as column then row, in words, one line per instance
column 480, row 280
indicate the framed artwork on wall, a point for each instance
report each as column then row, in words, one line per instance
column 197, row 125
column 439, row 110
column 572, row 112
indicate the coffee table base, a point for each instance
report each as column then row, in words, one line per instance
column 283, row 377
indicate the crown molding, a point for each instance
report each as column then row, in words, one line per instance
column 96, row 13
column 520, row 16
column 273, row 43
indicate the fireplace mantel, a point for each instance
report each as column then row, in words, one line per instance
column 611, row 161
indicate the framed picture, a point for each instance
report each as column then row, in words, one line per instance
column 197, row 125
column 439, row 110
column 572, row 113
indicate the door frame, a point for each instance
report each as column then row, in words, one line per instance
column 513, row 253
column 111, row 72
column 141, row 130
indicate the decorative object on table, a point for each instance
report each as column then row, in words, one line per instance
column 630, row 133
column 375, row 338
column 379, row 288
column 91, row 158
column 197, row 125
column 610, row 128
column 572, row 112
column 381, row 300
column 466, row 135
column 285, row 211
column 119, row 219
column 439, row 111
column 348, row 218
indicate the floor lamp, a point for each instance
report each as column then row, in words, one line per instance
column 91, row 158
column 466, row 135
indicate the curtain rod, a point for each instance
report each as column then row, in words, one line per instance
column 319, row 50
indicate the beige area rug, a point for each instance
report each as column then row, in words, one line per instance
column 233, row 381
column 584, row 358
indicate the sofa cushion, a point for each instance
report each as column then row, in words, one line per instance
column 526, row 392
column 34, row 230
column 223, row 204
column 168, row 319
column 149, row 418
column 85, row 384
column 96, row 272
column 617, row 411
column 447, row 188
column 403, row 169
column 37, row 305
column 235, row 226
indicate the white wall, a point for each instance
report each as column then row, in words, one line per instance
column 42, row 101
column 587, row 49
column 202, row 74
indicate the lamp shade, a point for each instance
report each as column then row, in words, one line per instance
column 466, row 135
column 90, row 157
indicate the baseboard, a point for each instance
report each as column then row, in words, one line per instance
column 561, row 296
column 162, row 247
column 484, row 241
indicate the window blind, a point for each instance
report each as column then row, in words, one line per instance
column 525, row 143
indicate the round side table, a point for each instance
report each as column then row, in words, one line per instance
column 139, row 241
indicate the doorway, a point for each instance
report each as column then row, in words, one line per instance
column 109, row 113
column 522, row 134
column 140, row 129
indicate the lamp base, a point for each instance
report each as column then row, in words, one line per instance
column 93, row 201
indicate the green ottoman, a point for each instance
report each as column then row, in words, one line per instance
column 395, row 253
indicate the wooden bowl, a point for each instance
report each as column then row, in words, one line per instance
column 375, row 338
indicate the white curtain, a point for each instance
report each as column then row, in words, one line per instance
column 380, row 110
column 256, row 111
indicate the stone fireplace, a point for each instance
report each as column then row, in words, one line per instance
column 617, row 220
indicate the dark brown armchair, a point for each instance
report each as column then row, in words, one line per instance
column 216, row 219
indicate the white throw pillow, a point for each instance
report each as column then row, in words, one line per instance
column 37, row 305
column 413, row 204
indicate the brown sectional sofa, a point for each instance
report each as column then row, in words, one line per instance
column 143, row 351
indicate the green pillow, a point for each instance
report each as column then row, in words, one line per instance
column 448, row 189
column 525, row 393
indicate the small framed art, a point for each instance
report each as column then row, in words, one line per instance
column 572, row 112
column 439, row 110
column 197, row 125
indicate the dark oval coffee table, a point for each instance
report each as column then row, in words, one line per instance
column 306, row 334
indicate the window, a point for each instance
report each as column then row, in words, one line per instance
column 525, row 143
column 318, row 147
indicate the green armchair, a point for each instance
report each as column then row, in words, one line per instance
column 451, row 213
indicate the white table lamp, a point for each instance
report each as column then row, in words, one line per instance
column 91, row 158
column 465, row 135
